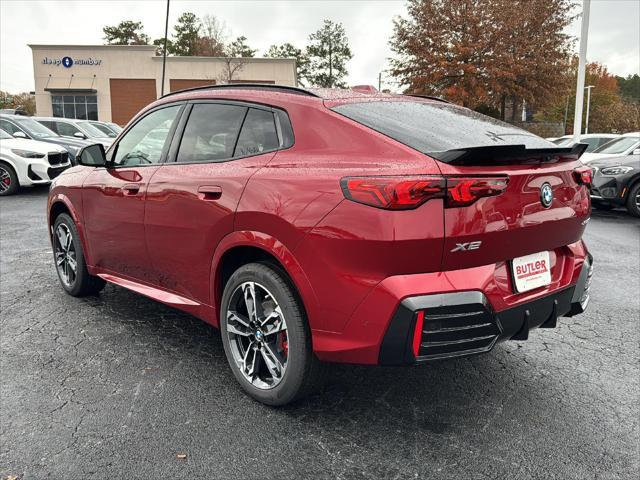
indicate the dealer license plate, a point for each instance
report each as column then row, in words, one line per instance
column 531, row 271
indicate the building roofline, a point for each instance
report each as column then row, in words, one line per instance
column 93, row 47
column 208, row 59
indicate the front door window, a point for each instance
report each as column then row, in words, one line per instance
column 145, row 142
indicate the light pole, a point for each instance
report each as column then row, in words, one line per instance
column 586, row 122
column 164, row 50
column 584, row 33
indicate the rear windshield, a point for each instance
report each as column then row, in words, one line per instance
column 438, row 127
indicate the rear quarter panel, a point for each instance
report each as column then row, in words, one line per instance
column 343, row 248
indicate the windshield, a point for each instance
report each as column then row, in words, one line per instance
column 91, row 130
column 35, row 129
column 4, row 135
column 434, row 128
column 619, row 145
column 115, row 127
column 104, row 129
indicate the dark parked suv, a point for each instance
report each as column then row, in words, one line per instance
column 329, row 225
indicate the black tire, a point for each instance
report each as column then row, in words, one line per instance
column 82, row 283
column 632, row 200
column 8, row 174
column 602, row 205
column 304, row 372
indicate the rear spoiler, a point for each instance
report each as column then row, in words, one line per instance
column 509, row 154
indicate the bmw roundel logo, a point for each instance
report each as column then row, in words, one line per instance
column 67, row 62
column 546, row 195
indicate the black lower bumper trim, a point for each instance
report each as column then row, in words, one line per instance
column 463, row 323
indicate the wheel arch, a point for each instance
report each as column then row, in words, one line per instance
column 59, row 204
column 242, row 247
column 633, row 181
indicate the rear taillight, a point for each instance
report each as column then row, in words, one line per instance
column 405, row 193
column 465, row 191
column 583, row 175
column 393, row 193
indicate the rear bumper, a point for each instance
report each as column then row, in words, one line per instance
column 463, row 323
column 465, row 312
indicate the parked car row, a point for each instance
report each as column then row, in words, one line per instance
column 34, row 150
column 602, row 145
column 615, row 160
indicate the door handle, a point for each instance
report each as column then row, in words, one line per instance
column 130, row 188
column 209, row 192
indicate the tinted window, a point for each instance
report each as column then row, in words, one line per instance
column 104, row 129
column 144, row 143
column 592, row 142
column 618, row 145
column 437, row 127
column 48, row 124
column 91, row 131
column 258, row 134
column 35, row 129
column 211, row 132
column 66, row 129
column 8, row 127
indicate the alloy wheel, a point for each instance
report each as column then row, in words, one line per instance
column 5, row 180
column 65, row 254
column 257, row 333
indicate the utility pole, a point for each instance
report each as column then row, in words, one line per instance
column 164, row 51
column 380, row 81
column 586, row 122
column 584, row 33
column 330, row 65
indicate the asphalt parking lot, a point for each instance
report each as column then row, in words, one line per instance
column 118, row 386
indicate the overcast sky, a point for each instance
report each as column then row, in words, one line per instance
column 614, row 36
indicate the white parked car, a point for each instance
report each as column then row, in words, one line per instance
column 593, row 140
column 69, row 127
column 627, row 144
column 29, row 162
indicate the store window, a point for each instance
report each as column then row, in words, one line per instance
column 82, row 107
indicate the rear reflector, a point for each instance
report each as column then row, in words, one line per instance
column 584, row 175
column 417, row 333
column 405, row 193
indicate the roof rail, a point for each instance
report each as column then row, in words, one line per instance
column 247, row 86
column 430, row 97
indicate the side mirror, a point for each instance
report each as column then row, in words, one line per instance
column 636, row 152
column 19, row 134
column 92, row 156
column 80, row 135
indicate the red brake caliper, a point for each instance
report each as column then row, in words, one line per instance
column 284, row 344
column 6, row 181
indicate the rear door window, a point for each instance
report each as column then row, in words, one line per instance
column 211, row 133
column 437, row 127
column 258, row 134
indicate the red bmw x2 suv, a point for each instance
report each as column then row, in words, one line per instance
column 329, row 225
